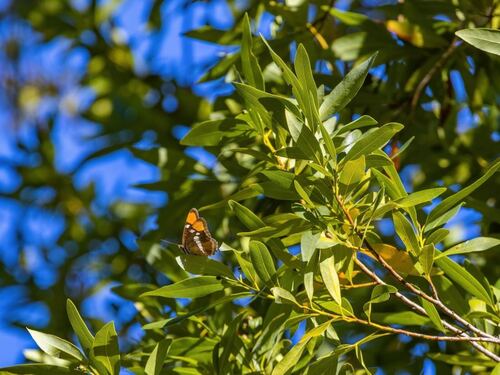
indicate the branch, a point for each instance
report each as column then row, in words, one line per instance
column 410, row 286
column 437, row 65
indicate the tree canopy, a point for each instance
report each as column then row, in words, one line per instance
column 336, row 149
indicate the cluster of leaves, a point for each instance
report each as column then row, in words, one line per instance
column 322, row 184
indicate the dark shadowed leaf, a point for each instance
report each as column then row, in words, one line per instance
column 105, row 353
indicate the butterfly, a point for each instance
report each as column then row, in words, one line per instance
column 196, row 238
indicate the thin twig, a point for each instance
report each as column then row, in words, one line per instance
column 410, row 286
column 422, row 311
column 437, row 65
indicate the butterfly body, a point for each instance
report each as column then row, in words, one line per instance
column 196, row 238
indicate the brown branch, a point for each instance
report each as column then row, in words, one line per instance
column 422, row 311
column 437, row 65
column 410, row 286
column 418, row 292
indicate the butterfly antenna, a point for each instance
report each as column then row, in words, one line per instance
column 167, row 242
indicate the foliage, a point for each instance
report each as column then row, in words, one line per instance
column 308, row 169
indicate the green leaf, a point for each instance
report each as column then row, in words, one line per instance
column 472, row 246
column 380, row 293
column 312, row 265
column 450, row 202
column 373, row 140
column 360, row 122
column 405, row 231
column 348, row 18
column 316, row 331
column 213, row 132
column 482, row 38
column 347, row 89
column 308, row 243
column 249, row 62
column 283, row 296
column 105, row 353
column 81, row 330
column 262, row 261
column 230, row 343
column 157, row 357
column 55, row 346
column 463, row 278
column 204, row 266
column 194, row 287
column 290, row 358
column 303, row 137
column 437, row 236
column 420, row 197
column 303, row 194
column 443, row 219
column 331, row 278
column 431, row 310
column 407, row 318
column 426, row 258
column 37, row 369
column 305, row 76
column 353, row 171
column 330, row 147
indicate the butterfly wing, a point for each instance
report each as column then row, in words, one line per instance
column 196, row 238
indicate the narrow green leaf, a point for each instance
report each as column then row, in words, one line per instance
column 303, row 137
column 431, row 310
column 472, row 246
column 157, row 357
column 331, row 278
column 426, row 258
column 443, row 219
column 249, row 62
column 105, row 352
column 346, row 17
column 81, row 330
column 230, row 343
column 55, row 346
column 203, row 266
column 420, row 197
column 380, row 293
column 330, row 147
column 373, row 140
column 308, row 243
column 437, row 236
column 463, row 278
column 360, row 122
column 406, row 318
column 309, row 272
column 303, row 194
column 406, row 233
column 482, row 38
column 194, row 287
column 450, row 202
column 283, row 296
column 353, row 171
column 262, row 261
column 290, row 358
column 213, row 132
column 347, row 89
column 316, row 331
column 305, row 76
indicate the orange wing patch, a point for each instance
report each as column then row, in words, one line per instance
column 192, row 216
column 199, row 225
